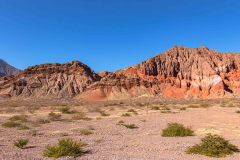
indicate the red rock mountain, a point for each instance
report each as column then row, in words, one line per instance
column 178, row 73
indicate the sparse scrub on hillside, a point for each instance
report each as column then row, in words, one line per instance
column 213, row 146
column 65, row 147
column 176, row 130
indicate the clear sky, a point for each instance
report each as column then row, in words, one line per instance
column 112, row 34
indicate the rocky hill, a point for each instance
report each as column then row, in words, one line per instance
column 6, row 69
column 178, row 73
column 60, row 80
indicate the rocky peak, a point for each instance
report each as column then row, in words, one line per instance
column 6, row 69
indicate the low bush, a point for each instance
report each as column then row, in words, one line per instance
column 54, row 116
column 22, row 118
column 213, row 146
column 86, row 132
column 11, row 124
column 65, row 147
column 81, row 116
column 132, row 111
column 176, row 130
column 126, row 115
column 67, row 110
column 130, row 126
column 21, row 143
column 43, row 121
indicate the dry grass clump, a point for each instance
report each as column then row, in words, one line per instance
column 67, row 110
column 132, row 111
column 176, row 130
column 155, row 108
column 54, row 116
column 213, row 146
column 104, row 114
column 11, row 124
column 86, row 131
column 237, row 111
column 21, row 143
column 81, row 116
column 126, row 115
column 65, row 147
column 130, row 126
column 43, row 121
column 21, row 118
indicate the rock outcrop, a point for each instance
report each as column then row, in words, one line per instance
column 7, row 70
column 61, row 80
column 191, row 72
column 178, row 73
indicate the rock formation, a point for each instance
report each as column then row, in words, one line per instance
column 61, row 80
column 178, row 73
column 6, row 69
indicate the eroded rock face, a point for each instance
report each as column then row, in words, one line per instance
column 178, row 73
column 61, row 80
column 185, row 72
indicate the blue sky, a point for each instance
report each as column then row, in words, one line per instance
column 112, row 34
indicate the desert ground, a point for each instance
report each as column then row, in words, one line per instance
column 97, row 124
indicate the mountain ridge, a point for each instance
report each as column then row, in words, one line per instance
column 179, row 72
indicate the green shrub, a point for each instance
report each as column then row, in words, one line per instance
column 130, row 126
column 21, row 143
column 22, row 118
column 213, row 146
column 176, row 130
column 65, row 147
column 11, row 124
column 54, row 116
column 66, row 110
column 126, row 115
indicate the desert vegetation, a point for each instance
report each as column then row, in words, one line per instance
column 213, row 146
column 65, row 147
column 176, row 130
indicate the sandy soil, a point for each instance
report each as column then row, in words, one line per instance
column 115, row 142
